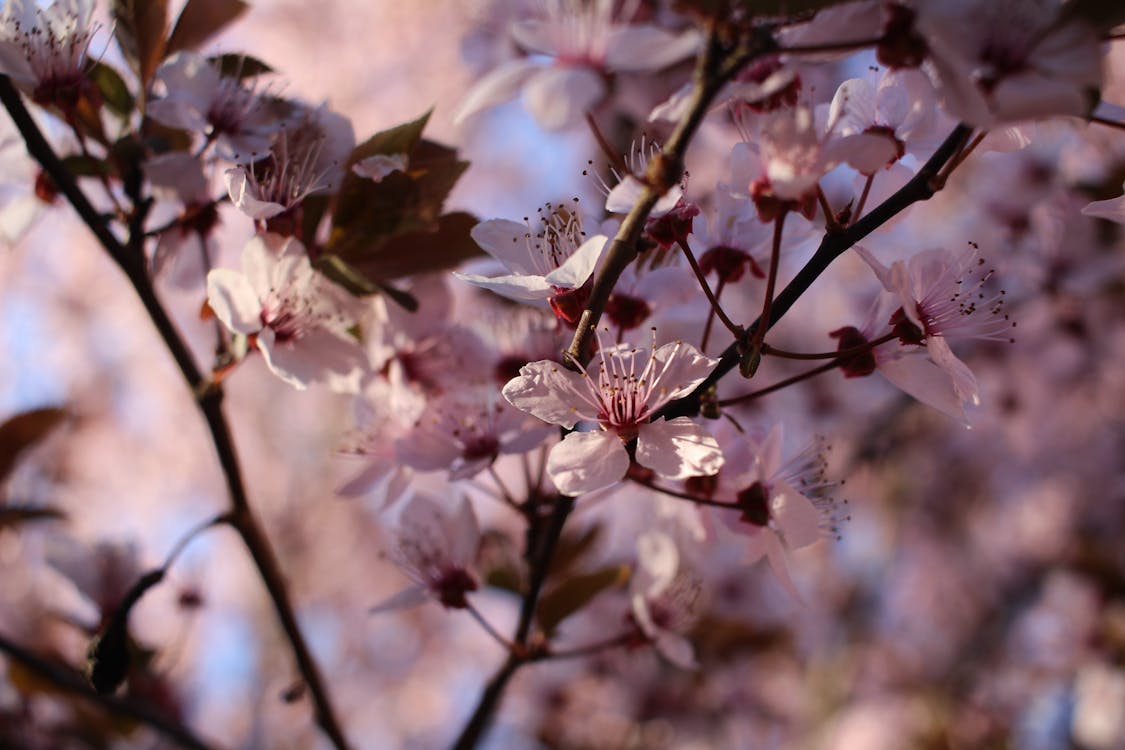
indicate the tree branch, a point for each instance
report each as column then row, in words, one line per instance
column 208, row 395
column 72, row 682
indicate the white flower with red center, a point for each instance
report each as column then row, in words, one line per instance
column 436, row 547
column 550, row 261
column 774, row 502
column 297, row 319
column 875, row 123
column 942, row 299
column 465, row 432
column 44, row 49
column 996, row 61
column 575, row 46
column 203, row 100
column 620, row 391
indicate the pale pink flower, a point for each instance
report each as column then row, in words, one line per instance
column 202, row 100
column 664, row 598
column 876, row 123
column 996, row 61
column 436, row 547
column 304, row 159
column 775, row 505
column 628, row 386
column 574, row 46
column 550, row 261
column 299, row 321
column 179, row 254
column 941, row 300
column 44, row 50
column 465, row 432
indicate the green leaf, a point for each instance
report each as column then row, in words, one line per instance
column 12, row 516
column 202, row 19
column 575, row 593
column 140, row 27
column 239, row 66
column 112, row 87
column 23, row 431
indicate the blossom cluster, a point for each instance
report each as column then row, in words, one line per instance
column 596, row 419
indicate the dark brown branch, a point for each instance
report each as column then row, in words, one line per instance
column 130, row 258
column 920, row 187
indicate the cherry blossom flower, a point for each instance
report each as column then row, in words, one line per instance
column 203, row 100
column 44, row 50
column 624, row 195
column 629, row 386
column 465, row 432
column 941, row 301
column 435, row 546
column 1015, row 60
column 575, row 46
column 664, row 598
column 298, row 320
column 874, row 122
column 551, row 261
column 774, row 502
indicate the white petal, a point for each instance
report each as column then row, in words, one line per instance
column 587, row 461
column 245, row 199
column 918, row 376
column 796, row 516
column 404, row 599
column 577, row 268
column 676, row 649
column 681, row 368
column 657, row 563
column 234, row 301
column 548, row 391
column 640, row 48
column 559, row 97
column 1111, row 210
column 319, row 356
column 495, row 88
column 521, row 288
column 678, row 449
column 964, row 382
column 506, row 241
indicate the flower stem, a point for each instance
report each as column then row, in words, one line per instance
column 716, row 308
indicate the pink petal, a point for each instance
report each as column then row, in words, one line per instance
column 234, row 301
column 521, row 288
column 918, row 376
column 641, row 48
column 587, row 461
column 678, row 449
column 559, row 97
column 404, row 599
column 495, row 88
column 505, row 241
column 548, row 391
column 576, row 269
column 796, row 516
column 242, row 195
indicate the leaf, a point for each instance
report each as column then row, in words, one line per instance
column 575, row 593
column 140, row 27
column 81, row 165
column 112, row 87
column 239, row 66
column 24, row 430
column 571, row 548
column 202, row 19
column 410, row 253
column 1101, row 15
column 16, row 515
column 339, row 271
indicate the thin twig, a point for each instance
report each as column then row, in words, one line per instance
column 716, row 308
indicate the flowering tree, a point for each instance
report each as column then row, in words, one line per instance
column 594, row 438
